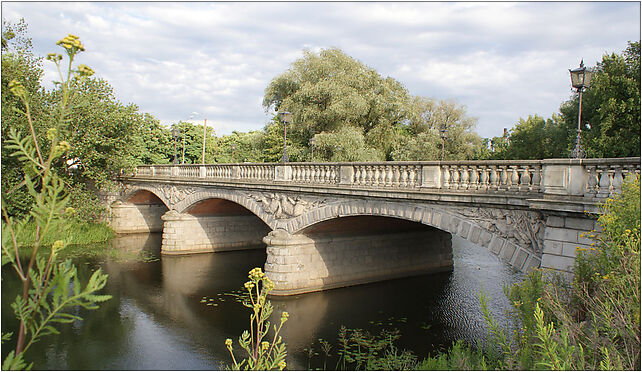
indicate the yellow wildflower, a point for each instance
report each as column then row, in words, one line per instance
column 51, row 133
column 85, row 70
column 58, row 245
column 282, row 365
column 228, row 342
column 17, row 89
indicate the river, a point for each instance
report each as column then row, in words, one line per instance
column 176, row 312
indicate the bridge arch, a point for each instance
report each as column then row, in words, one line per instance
column 229, row 195
column 132, row 192
column 519, row 257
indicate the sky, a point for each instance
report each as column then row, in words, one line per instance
column 194, row 60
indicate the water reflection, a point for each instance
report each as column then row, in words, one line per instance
column 157, row 320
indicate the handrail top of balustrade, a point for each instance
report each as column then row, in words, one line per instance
column 562, row 161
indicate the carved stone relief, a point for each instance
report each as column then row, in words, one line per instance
column 171, row 193
column 282, row 206
column 175, row 194
column 523, row 227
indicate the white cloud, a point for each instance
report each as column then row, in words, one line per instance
column 502, row 60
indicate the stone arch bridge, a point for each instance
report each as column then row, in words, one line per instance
column 328, row 225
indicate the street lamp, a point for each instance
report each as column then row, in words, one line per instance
column 175, row 134
column 313, row 142
column 580, row 79
column 233, row 148
column 442, row 133
column 286, row 117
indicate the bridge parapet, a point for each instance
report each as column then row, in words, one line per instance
column 591, row 179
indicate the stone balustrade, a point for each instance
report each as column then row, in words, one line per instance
column 587, row 178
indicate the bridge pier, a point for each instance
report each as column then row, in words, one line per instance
column 129, row 218
column 302, row 263
column 184, row 233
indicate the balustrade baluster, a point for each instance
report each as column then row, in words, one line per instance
column 296, row 174
column 605, row 182
column 412, row 182
column 368, row 171
column 473, row 183
column 357, row 175
column 525, row 179
column 376, row 176
column 617, row 180
column 503, row 178
column 484, row 178
column 465, row 176
column 514, row 178
column 454, row 177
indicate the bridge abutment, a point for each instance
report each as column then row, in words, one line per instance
column 136, row 218
column 299, row 263
column 562, row 237
column 184, row 233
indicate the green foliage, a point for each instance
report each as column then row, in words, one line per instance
column 77, row 231
column 189, row 143
column 51, row 290
column 330, row 91
column 592, row 322
column 359, row 350
column 460, row 357
column 533, row 138
column 346, row 144
column 261, row 355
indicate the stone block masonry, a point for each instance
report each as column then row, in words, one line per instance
column 300, row 263
column 562, row 237
column 136, row 218
column 184, row 233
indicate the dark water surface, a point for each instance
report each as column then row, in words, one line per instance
column 156, row 320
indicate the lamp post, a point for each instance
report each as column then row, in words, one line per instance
column 204, row 136
column 286, row 117
column 233, row 148
column 442, row 133
column 313, row 142
column 580, row 79
column 175, row 134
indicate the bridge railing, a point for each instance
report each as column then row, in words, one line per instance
column 587, row 178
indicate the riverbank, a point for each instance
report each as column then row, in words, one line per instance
column 74, row 232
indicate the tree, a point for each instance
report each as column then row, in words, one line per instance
column 19, row 64
column 536, row 138
column 421, row 139
column 346, row 144
column 328, row 90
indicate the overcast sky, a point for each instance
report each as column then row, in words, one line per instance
column 501, row 60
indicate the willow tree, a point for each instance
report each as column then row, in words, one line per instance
column 328, row 90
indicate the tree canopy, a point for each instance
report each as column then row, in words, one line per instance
column 329, row 91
